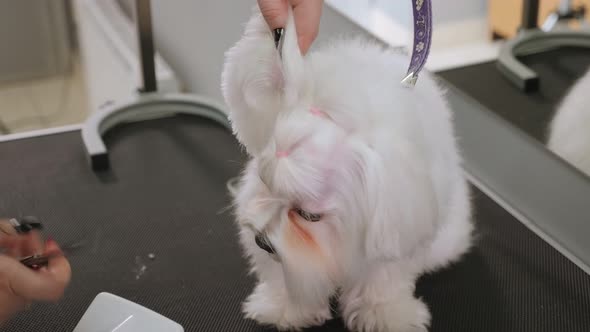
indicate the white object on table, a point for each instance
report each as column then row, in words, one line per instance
column 110, row 313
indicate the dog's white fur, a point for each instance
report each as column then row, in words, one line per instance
column 570, row 128
column 382, row 167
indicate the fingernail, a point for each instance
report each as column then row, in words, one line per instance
column 52, row 243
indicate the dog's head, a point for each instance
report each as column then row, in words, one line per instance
column 310, row 204
column 326, row 204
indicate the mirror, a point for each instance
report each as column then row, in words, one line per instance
column 41, row 77
column 69, row 60
column 569, row 129
column 469, row 38
column 552, row 39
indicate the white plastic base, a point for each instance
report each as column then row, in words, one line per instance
column 111, row 313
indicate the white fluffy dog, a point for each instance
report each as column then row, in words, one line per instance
column 569, row 135
column 354, row 187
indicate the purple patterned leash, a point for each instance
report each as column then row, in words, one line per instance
column 422, row 40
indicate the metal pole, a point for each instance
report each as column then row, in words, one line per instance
column 146, row 45
column 530, row 14
column 565, row 6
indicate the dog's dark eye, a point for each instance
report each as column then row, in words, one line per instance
column 313, row 217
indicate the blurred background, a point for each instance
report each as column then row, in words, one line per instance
column 63, row 59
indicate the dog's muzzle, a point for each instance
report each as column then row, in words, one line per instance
column 263, row 242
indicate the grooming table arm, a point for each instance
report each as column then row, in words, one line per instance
column 149, row 104
column 531, row 40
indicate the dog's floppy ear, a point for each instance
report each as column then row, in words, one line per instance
column 402, row 205
column 257, row 82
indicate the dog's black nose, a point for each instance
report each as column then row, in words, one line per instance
column 264, row 243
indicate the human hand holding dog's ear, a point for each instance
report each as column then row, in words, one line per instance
column 307, row 15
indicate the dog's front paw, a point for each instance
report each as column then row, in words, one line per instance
column 270, row 306
column 399, row 315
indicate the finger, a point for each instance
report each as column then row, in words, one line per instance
column 6, row 228
column 307, row 15
column 31, row 244
column 15, row 247
column 7, row 234
column 9, row 239
column 46, row 285
column 7, row 242
column 21, row 245
column 18, row 245
column 275, row 12
column 58, row 265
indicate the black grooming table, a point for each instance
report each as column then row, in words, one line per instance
column 557, row 69
column 166, row 196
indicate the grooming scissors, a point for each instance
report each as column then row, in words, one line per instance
column 27, row 224
column 38, row 261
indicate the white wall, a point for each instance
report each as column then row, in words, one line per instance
column 456, row 22
column 192, row 35
column 444, row 11
column 454, row 10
